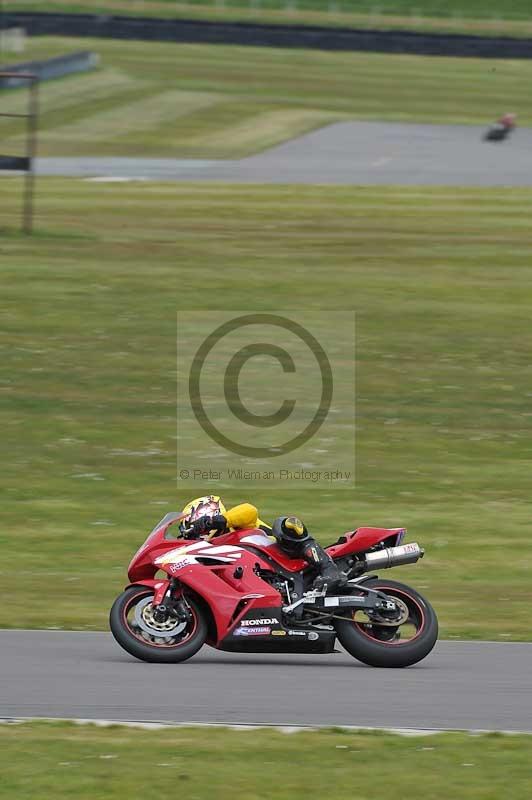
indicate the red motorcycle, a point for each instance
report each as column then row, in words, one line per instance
column 240, row 592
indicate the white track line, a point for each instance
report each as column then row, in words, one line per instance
column 244, row 726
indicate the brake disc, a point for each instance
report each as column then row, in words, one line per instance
column 146, row 621
column 376, row 619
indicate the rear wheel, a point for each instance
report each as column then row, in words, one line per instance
column 396, row 641
column 136, row 629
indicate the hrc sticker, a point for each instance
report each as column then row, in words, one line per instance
column 186, row 562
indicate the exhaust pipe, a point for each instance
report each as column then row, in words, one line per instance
column 394, row 556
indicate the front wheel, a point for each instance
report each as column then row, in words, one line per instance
column 136, row 629
column 381, row 643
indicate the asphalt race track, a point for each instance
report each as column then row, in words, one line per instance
column 362, row 153
column 461, row 685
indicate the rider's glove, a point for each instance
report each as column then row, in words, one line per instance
column 207, row 524
column 218, row 523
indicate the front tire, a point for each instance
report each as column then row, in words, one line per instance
column 385, row 645
column 134, row 628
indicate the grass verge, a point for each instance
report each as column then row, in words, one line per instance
column 61, row 760
column 168, row 100
column 441, row 282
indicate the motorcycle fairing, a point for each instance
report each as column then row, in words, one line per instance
column 261, row 630
column 159, row 588
column 363, row 539
column 355, row 541
column 198, row 552
column 157, row 542
column 222, row 575
column 229, row 598
column 256, row 540
column 324, row 643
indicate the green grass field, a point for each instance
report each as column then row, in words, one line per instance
column 222, row 102
column 458, row 16
column 441, row 282
column 51, row 761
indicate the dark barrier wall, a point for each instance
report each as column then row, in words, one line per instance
column 50, row 68
column 15, row 163
column 165, row 30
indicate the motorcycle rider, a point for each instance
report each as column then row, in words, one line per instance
column 501, row 129
column 208, row 515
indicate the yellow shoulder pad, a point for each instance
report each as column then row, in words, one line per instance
column 242, row 516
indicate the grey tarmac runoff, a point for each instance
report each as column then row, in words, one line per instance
column 345, row 153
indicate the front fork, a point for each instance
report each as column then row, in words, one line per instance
column 165, row 603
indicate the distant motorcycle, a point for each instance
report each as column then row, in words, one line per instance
column 501, row 129
column 242, row 593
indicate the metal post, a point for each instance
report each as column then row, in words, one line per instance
column 31, row 151
column 1, row 31
column 25, row 163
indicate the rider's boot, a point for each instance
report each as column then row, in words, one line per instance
column 330, row 575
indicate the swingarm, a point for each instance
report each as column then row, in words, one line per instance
column 369, row 599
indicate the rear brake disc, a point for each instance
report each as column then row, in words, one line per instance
column 376, row 619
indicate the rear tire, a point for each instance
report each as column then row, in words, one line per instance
column 154, row 645
column 373, row 645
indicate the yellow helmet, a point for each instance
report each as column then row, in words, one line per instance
column 209, row 505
